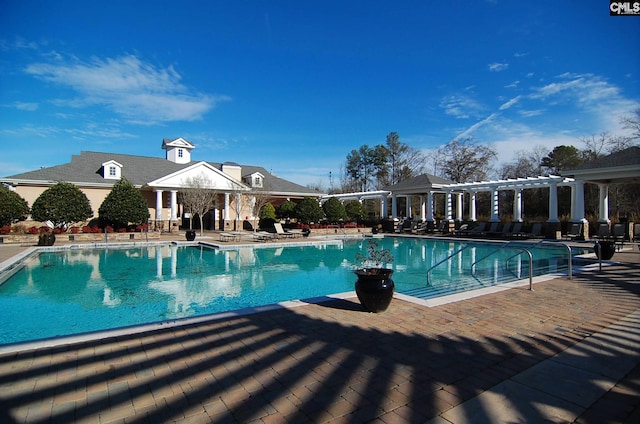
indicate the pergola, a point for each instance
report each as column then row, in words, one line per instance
column 620, row 167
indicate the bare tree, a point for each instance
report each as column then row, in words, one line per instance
column 632, row 123
column 198, row 197
column 465, row 160
column 259, row 200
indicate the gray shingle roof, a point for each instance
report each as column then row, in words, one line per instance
column 86, row 168
column 420, row 181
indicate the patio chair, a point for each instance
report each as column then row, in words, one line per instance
column 618, row 234
column 536, row 231
column 280, row 232
column 575, row 231
column 464, row 229
column 229, row 237
column 516, row 231
column 604, row 232
column 263, row 236
column 478, row 230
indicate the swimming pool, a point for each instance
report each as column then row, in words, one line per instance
column 73, row 291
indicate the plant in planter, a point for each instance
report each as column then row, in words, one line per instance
column 374, row 286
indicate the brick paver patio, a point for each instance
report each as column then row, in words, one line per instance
column 331, row 362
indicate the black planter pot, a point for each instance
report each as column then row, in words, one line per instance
column 375, row 288
column 190, row 235
column 606, row 250
column 46, row 239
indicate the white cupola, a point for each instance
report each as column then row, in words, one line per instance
column 178, row 150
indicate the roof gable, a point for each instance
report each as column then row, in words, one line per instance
column 178, row 142
column 217, row 179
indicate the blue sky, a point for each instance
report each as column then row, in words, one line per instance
column 294, row 86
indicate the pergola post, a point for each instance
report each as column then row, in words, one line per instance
column 458, row 207
column 603, row 191
column 517, row 205
column 472, row 206
column 449, row 206
column 430, row 206
column 408, row 208
column 553, row 202
column 394, row 206
column 495, row 205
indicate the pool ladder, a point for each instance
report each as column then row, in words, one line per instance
column 521, row 249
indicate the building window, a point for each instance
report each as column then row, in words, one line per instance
column 112, row 171
column 257, row 182
column 180, row 153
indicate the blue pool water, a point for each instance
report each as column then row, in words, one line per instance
column 84, row 290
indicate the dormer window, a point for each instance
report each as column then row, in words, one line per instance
column 111, row 170
column 180, row 153
column 255, row 180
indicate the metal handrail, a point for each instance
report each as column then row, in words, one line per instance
column 465, row 246
column 522, row 250
column 570, row 270
column 473, row 265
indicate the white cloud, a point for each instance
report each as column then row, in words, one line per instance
column 126, row 85
column 460, row 106
column 497, row 67
column 26, row 106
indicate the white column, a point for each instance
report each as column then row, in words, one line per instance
column 423, row 208
column 577, row 214
column 394, row 206
column 383, row 207
column 408, row 208
column 472, row 206
column 495, row 205
column 553, row 202
column 604, row 202
column 226, row 206
column 174, row 205
column 517, row 205
column 458, row 206
column 158, row 205
column 430, row 206
column 449, row 206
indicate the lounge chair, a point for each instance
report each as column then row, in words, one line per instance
column 263, row 236
column 422, row 228
column 280, row 232
column 604, row 232
column 478, row 230
column 575, row 231
column 618, row 234
column 229, row 237
column 536, row 231
column 464, row 229
column 493, row 230
column 516, row 231
column 506, row 229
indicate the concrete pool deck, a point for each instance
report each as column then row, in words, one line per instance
column 567, row 352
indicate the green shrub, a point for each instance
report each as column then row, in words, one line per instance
column 12, row 206
column 123, row 205
column 355, row 210
column 63, row 203
column 334, row 210
column 309, row 210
